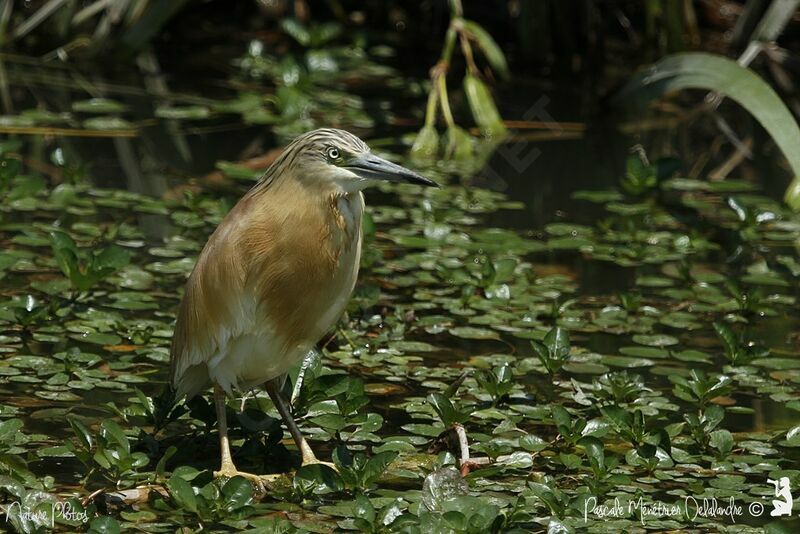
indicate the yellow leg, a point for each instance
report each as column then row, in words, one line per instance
column 273, row 389
column 227, row 468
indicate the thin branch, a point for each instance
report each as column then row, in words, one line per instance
column 6, row 7
column 448, row 115
column 37, row 18
column 728, row 132
column 89, row 11
column 65, row 132
column 735, row 159
column 5, row 94
column 467, row 50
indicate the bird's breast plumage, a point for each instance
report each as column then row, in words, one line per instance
column 272, row 280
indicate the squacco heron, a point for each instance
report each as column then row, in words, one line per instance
column 276, row 275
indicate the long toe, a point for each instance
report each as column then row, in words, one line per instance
column 314, row 461
column 259, row 482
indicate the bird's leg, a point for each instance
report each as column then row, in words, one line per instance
column 273, row 389
column 226, row 463
column 244, row 401
column 227, row 468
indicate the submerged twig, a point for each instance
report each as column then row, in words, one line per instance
column 156, row 84
column 37, row 18
column 89, row 11
column 463, row 447
column 66, row 132
column 732, row 162
column 726, row 129
column 89, row 498
column 134, row 495
column 5, row 94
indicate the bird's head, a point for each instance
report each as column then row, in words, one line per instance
column 339, row 158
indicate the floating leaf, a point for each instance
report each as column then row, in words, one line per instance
column 98, row 105
column 185, row 112
column 107, row 123
column 471, row 332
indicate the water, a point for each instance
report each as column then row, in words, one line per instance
column 582, row 149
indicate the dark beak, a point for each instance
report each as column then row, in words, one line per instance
column 371, row 167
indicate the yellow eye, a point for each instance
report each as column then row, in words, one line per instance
column 333, row 153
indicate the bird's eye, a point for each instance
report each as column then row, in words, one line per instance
column 333, row 153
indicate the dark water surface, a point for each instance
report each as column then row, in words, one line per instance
column 579, row 147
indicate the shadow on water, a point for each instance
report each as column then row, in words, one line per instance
column 545, row 166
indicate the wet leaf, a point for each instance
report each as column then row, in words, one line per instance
column 107, row 123
column 458, row 143
column 182, row 493
column 489, row 47
column 98, row 105
column 185, row 112
column 426, row 144
column 296, row 30
column 483, row 107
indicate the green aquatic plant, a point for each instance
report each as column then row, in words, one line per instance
column 631, row 302
column 699, row 389
column 448, row 414
column 32, row 311
column 84, row 269
column 497, row 382
column 10, row 166
column 465, row 514
column 643, row 177
column 208, row 501
column 721, row 440
column 569, row 428
column 457, row 142
column 700, row 70
column 354, row 472
column 632, row 426
column 750, row 218
column 553, row 351
column 126, row 28
column 13, row 466
column 359, row 472
column 484, row 277
column 161, row 409
column 314, row 35
column 108, row 452
column 621, row 387
column 334, row 402
column 311, row 481
column 738, row 350
column 389, row 518
column 601, row 467
column 703, row 424
column 557, row 501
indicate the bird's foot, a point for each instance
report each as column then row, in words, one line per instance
column 259, row 482
column 312, row 460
